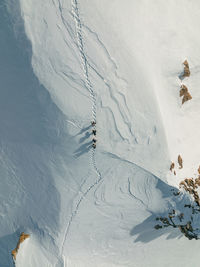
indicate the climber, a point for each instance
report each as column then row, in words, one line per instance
column 94, row 145
column 93, row 123
column 94, row 140
column 95, row 132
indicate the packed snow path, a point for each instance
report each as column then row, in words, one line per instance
column 85, row 65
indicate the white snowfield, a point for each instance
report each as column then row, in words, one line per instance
column 63, row 64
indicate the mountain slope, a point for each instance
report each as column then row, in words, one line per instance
column 64, row 64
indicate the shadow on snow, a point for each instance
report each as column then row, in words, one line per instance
column 145, row 231
column 29, row 123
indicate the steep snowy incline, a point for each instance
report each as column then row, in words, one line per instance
column 65, row 63
column 160, row 36
column 132, row 130
column 40, row 151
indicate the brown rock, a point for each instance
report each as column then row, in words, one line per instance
column 190, row 190
column 186, row 64
column 183, row 90
column 182, row 183
column 180, row 162
column 22, row 237
column 187, row 96
column 186, row 69
column 172, row 166
column 197, row 181
column 190, row 183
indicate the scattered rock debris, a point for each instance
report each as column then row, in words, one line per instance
column 186, row 229
column 184, row 90
column 177, row 219
column 180, row 162
column 22, row 238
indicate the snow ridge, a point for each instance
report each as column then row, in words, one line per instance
column 85, row 65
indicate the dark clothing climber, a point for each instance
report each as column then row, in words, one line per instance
column 94, row 140
column 94, row 145
column 93, row 123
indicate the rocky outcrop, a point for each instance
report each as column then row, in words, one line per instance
column 186, row 72
column 22, row 238
column 191, row 185
column 186, row 97
column 184, row 92
column 199, row 170
column 178, row 219
column 180, row 162
column 172, row 166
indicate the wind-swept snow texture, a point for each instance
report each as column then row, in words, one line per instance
column 64, row 63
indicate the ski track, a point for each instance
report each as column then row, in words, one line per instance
column 85, row 65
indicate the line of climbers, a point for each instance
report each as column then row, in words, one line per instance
column 94, row 132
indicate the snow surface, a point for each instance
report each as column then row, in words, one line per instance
column 64, row 63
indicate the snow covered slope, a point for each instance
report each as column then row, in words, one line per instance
column 64, row 63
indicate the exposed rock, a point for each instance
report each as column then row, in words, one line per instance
column 157, row 226
column 190, row 182
column 172, row 166
column 182, row 183
column 177, row 193
column 191, row 185
column 199, row 170
column 184, row 92
column 197, row 181
column 22, row 238
column 186, row 69
column 180, row 162
column 186, row 97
